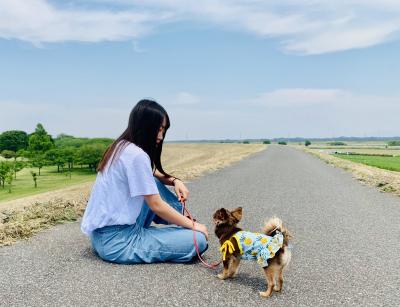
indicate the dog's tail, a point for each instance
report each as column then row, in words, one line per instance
column 275, row 224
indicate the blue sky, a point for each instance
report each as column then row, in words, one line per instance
column 222, row 69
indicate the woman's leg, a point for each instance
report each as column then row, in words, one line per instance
column 130, row 244
column 169, row 198
column 153, row 244
column 142, row 243
column 146, row 216
column 174, row 244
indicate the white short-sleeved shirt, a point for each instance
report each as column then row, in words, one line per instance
column 118, row 192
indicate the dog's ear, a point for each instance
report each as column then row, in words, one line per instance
column 237, row 214
column 223, row 213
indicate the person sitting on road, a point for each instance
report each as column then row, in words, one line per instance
column 130, row 193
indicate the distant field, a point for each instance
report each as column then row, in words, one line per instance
column 389, row 163
column 368, row 148
column 377, row 151
column 358, row 147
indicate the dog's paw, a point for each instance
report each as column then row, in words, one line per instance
column 277, row 288
column 221, row 276
column 266, row 294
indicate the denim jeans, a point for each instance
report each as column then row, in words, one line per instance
column 142, row 243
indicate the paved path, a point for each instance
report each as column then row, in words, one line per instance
column 346, row 247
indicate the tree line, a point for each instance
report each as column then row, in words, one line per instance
column 39, row 149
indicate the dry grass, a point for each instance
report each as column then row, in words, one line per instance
column 188, row 161
column 21, row 224
column 384, row 180
column 24, row 217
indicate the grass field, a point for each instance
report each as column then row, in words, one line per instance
column 389, row 163
column 48, row 180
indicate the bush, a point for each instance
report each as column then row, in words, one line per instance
column 267, row 142
column 337, row 144
column 393, row 143
column 8, row 154
column 246, row 142
column 282, row 143
column 307, row 143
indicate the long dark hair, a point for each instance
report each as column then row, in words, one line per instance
column 144, row 123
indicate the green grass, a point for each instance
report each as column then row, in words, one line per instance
column 389, row 163
column 48, row 180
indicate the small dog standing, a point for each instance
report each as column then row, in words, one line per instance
column 270, row 248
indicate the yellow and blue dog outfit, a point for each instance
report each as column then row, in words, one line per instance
column 254, row 246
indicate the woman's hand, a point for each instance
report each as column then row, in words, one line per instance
column 181, row 191
column 202, row 228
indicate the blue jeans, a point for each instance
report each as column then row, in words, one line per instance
column 142, row 243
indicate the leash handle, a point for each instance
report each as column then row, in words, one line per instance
column 212, row 266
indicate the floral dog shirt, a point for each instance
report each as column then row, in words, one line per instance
column 254, row 245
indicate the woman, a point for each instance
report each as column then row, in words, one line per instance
column 129, row 194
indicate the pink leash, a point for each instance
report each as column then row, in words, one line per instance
column 203, row 262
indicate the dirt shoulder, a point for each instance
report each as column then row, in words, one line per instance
column 384, row 180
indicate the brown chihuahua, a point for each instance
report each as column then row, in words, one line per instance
column 269, row 248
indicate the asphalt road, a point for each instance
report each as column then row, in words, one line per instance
column 346, row 246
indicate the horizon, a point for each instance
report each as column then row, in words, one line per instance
column 294, row 138
column 221, row 69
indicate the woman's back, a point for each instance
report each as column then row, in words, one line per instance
column 117, row 194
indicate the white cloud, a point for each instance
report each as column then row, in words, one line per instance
column 38, row 22
column 302, row 26
column 185, row 98
column 340, row 39
column 295, row 97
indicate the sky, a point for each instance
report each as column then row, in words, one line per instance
column 223, row 69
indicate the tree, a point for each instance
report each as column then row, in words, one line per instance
column 18, row 165
column 55, row 157
column 9, row 179
column 5, row 168
column 34, row 177
column 13, row 140
column 38, row 160
column 91, row 155
column 69, row 155
column 39, row 143
column 307, row 143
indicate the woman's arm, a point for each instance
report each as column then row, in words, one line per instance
column 181, row 190
column 164, row 179
column 163, row 210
